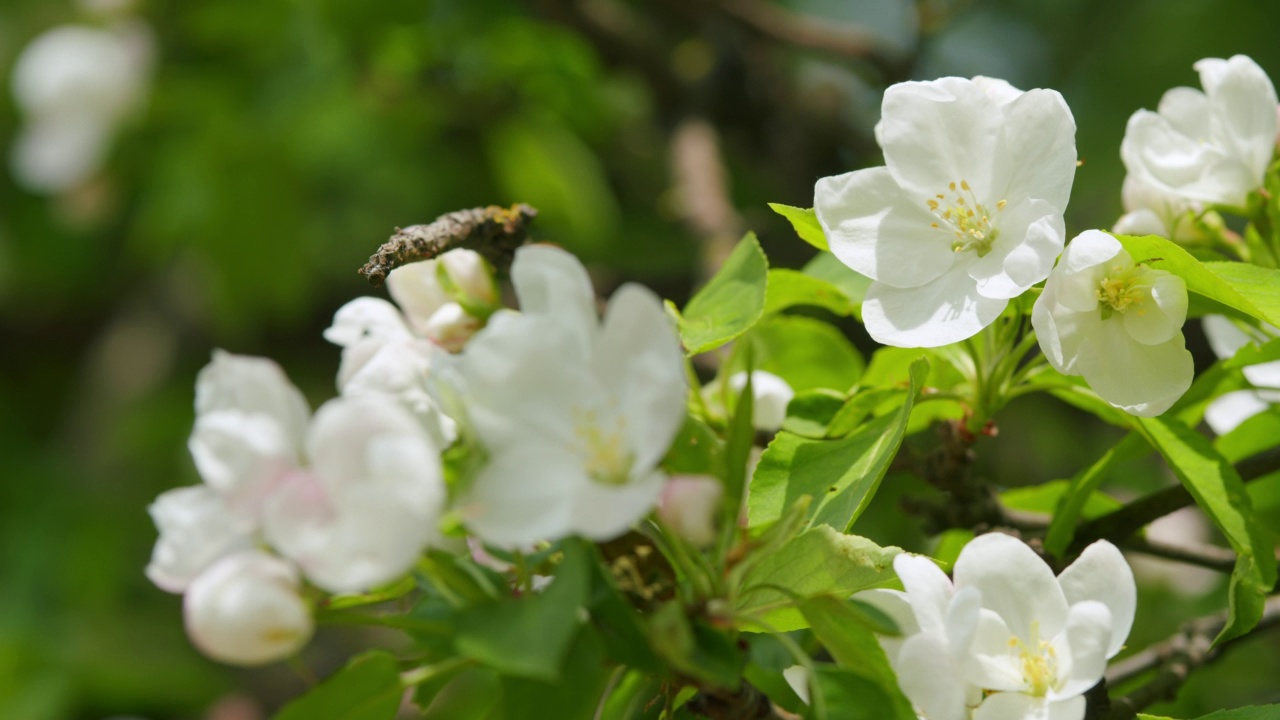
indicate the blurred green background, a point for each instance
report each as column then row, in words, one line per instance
column 281, row 141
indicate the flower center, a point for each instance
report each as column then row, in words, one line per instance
column 967, row 218
column 608, row 459
column 1039, row 662
column 1120, row 290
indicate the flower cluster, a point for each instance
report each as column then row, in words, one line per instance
column 1006, row 640
column 573, row 417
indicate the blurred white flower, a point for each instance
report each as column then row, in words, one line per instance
column 369, row 503
column 966, row 213
column 1116, row 323
column 352, row 495
column 1226, row 412
column 1148, row 211
column 575, row 415
column 245, row 610
column 1212, row 146
column 74, row 85
column 690, row 505
column 770, row 397
column 196, row 528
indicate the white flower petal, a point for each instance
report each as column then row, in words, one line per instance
column 241, row 455
column 603, row 512
column 942, row 131
column 770, row 397
column 1101, row 574
column 947, row 310
column 245, row 610
column 1143, row 380
column 928, row 590
column 367, row 318
column 1089, row 248
column 57, row 152
column 1084, row 644
column 993, row 666
column 1058, row 331
column 1187, row 110
column 1015, row 583
column 252, row 385
column 552, row 282
column 878, row 230
column 347, row 433
column 417, row 291
column 196, row 528
column 1040, row 140
column 1159, row 320
column 1226, row 412
column 1015, row 706
column 521, row 496
column 1244, row 111
column 929, row 678
column 1031, row 237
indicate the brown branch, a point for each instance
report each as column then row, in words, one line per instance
column 1205, row 556
column 494, row 232
column 1132, row 517
column 774, row 21
column 1175, row 658
column 746, row 703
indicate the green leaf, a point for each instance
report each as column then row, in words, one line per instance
column 806, row 352
column 1253, row 712
column 1261, row 286
column 850, row 696
column 1071, row 505
column 1043, row 498
column 1220, row 492
column 1250, row 437
column 805, row 222
column 1254, row 354
column 694, row 648
column 368, row 688
column 1235, row 285
column 737, row 457
column 842, row 632
column 792, row 288
column 528, row 636
column 695, row 451
column 573, row 697
column 472, row 694
column 828, row 268
column 730, row 303
column 819, row 561
column 840, row 475
column 810, row 411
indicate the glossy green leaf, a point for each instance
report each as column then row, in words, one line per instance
column 1250, row 437
column 811, row 411
column 1235, row 285
column 840, row 475
column 1253, row 712
column 368, row 688
column 850, row 696
column 828, row 268
column 806, row 352
column 792, row 288
column 574, row 696
column 472, row 694
column 730, row 303
column 1220, row 492
column 1043, row 498
column 819, row 561
column 1070, row 507
column 1254, row 354
column 839, row 627
column 805, row 222
column 528, row 636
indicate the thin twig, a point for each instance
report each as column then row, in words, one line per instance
column 1175, row 658
column 494, row 232
column 1132, row 517
column 1205, row 556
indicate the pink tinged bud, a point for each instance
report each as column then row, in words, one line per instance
column 245, row 610
column 689, row 506
column 451, row 327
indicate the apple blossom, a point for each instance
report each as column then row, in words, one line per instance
column 770, row 397
column 1151, row 212
column 574, row 414
column 245, row 610
column 1212, row 146
column 74, row 85
column 447, row 299
column 965, row 215
column 1226, row 412
column 1117, row 323
column 1007, row 640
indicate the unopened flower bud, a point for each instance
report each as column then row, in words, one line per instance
column 450, row 327
column 470, row 277
column 689, row 506
column 771, row 395
column 245, row 610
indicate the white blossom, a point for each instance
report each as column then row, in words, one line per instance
column 1226, row 412
column 1210, row 146
column 965, row 215
column 770, row 397
column 1148, row 211
column 1116, row 323
column 1007, row 640
column 575, row 415
column 245, row 610
column 445, row 300
column 74, row 85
